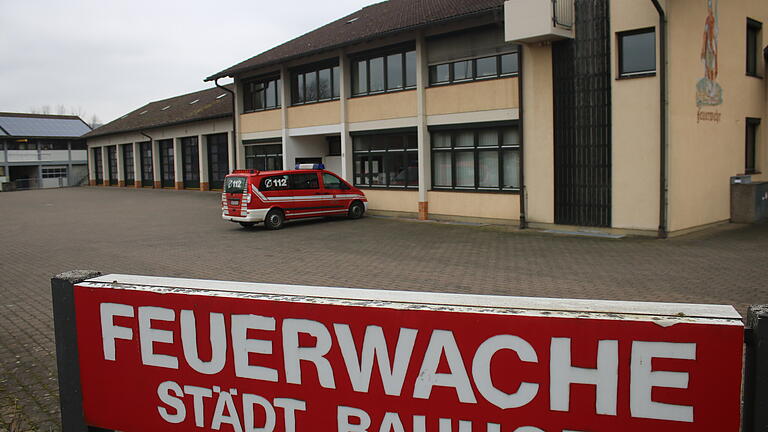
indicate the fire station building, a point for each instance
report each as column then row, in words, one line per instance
column 620, row 114
column 185, row 142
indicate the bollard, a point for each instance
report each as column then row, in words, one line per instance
column 755, row 419
column 67, row 360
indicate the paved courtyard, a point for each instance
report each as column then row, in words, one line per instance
column 180, row 233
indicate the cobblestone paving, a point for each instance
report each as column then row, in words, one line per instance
column 172, row 233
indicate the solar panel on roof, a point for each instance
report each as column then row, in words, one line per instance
column 43, row 127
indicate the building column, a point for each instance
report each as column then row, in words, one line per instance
column 425, row 163
column 231, row 150
column 285, row 98
column 91, row 166
column 178, row 164
column 120, row 166
column 136, row 165
column 347, row 157
column 156, row 164
column 202, row 153
column 69, row 163
column 105, row 165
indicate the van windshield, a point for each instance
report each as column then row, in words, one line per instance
column 235, row 184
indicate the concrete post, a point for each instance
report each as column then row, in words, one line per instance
column 67, row 357
column 178, row 164
column 156, row 164
column 202, row 153
column 755, row 416
column 120, row 166
column 347, row 155
column 231, row 150
column 91, row 166
column 422, row 132
column 105, row 165
column 136, row 165
column 70, row 179
column 285, row 97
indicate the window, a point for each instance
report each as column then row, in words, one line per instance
column 57, row 172
column 753, row 126
column 128, row 163
column 497, row 66
column 391, row 71
column 637, row 53
column 261, row 94
column 289, row 181
column 483, row 159
column 386, row 160
column 330, row 181
column 315, row 84
column 754, row 28
column 334, row 145
column 263, row 157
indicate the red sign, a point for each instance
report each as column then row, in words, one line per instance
column 180, row 355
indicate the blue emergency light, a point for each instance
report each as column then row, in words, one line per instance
column 310, row 166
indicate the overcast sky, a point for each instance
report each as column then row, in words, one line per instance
column 109, row 57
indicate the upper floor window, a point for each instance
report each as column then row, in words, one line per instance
column 261, row 94
column 315, row 84
column 637, row 53
column 752, row 134
column 474, row 69
column 754, row 39
column 386, row 72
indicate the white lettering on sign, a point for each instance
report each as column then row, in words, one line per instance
column 563, row 374
column 109, row 331
column 374, row 345
column 227, row 410
column 393, row 361
column 643, row 380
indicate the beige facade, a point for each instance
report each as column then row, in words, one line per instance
column 705, row 143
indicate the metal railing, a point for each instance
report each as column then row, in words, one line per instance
column 562, row 14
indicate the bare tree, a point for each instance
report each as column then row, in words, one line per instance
column 45, row 109
column 95, row 122
column 61, row 109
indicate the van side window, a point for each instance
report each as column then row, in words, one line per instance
column 272, row 183
column 332, row 182
column 304, row 181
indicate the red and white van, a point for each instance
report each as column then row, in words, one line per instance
column 272, row 197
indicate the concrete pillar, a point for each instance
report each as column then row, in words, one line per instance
column 136, row 165
column 70, row 179
column 285, row 97
column 120, row 166
column 105, row 165
column 347, row 157
column 178, row 164
column 425, row 162
column 237, row 139
column 156, row 164
column 202, row 150
column 91, row 166
column 231, row 150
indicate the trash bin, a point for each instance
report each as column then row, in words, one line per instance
column 749, row 200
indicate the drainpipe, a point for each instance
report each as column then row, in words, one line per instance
column 521, row 122
column 663, row 114
column 234, row 114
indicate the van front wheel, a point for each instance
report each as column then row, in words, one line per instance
column 356, row 210
column 274, row 220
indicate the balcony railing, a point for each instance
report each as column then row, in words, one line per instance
column 562, row 14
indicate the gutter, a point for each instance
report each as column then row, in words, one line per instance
column 663, row 116
column 521, row 123
column 234, row 115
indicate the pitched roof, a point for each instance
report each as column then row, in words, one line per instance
column 41, row 125
column 377, row 20
column 201, row 105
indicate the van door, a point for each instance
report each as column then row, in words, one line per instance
column 338, row 190
column 309, row 199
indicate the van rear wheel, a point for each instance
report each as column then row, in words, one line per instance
column 274, row 220
column 356, row 210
